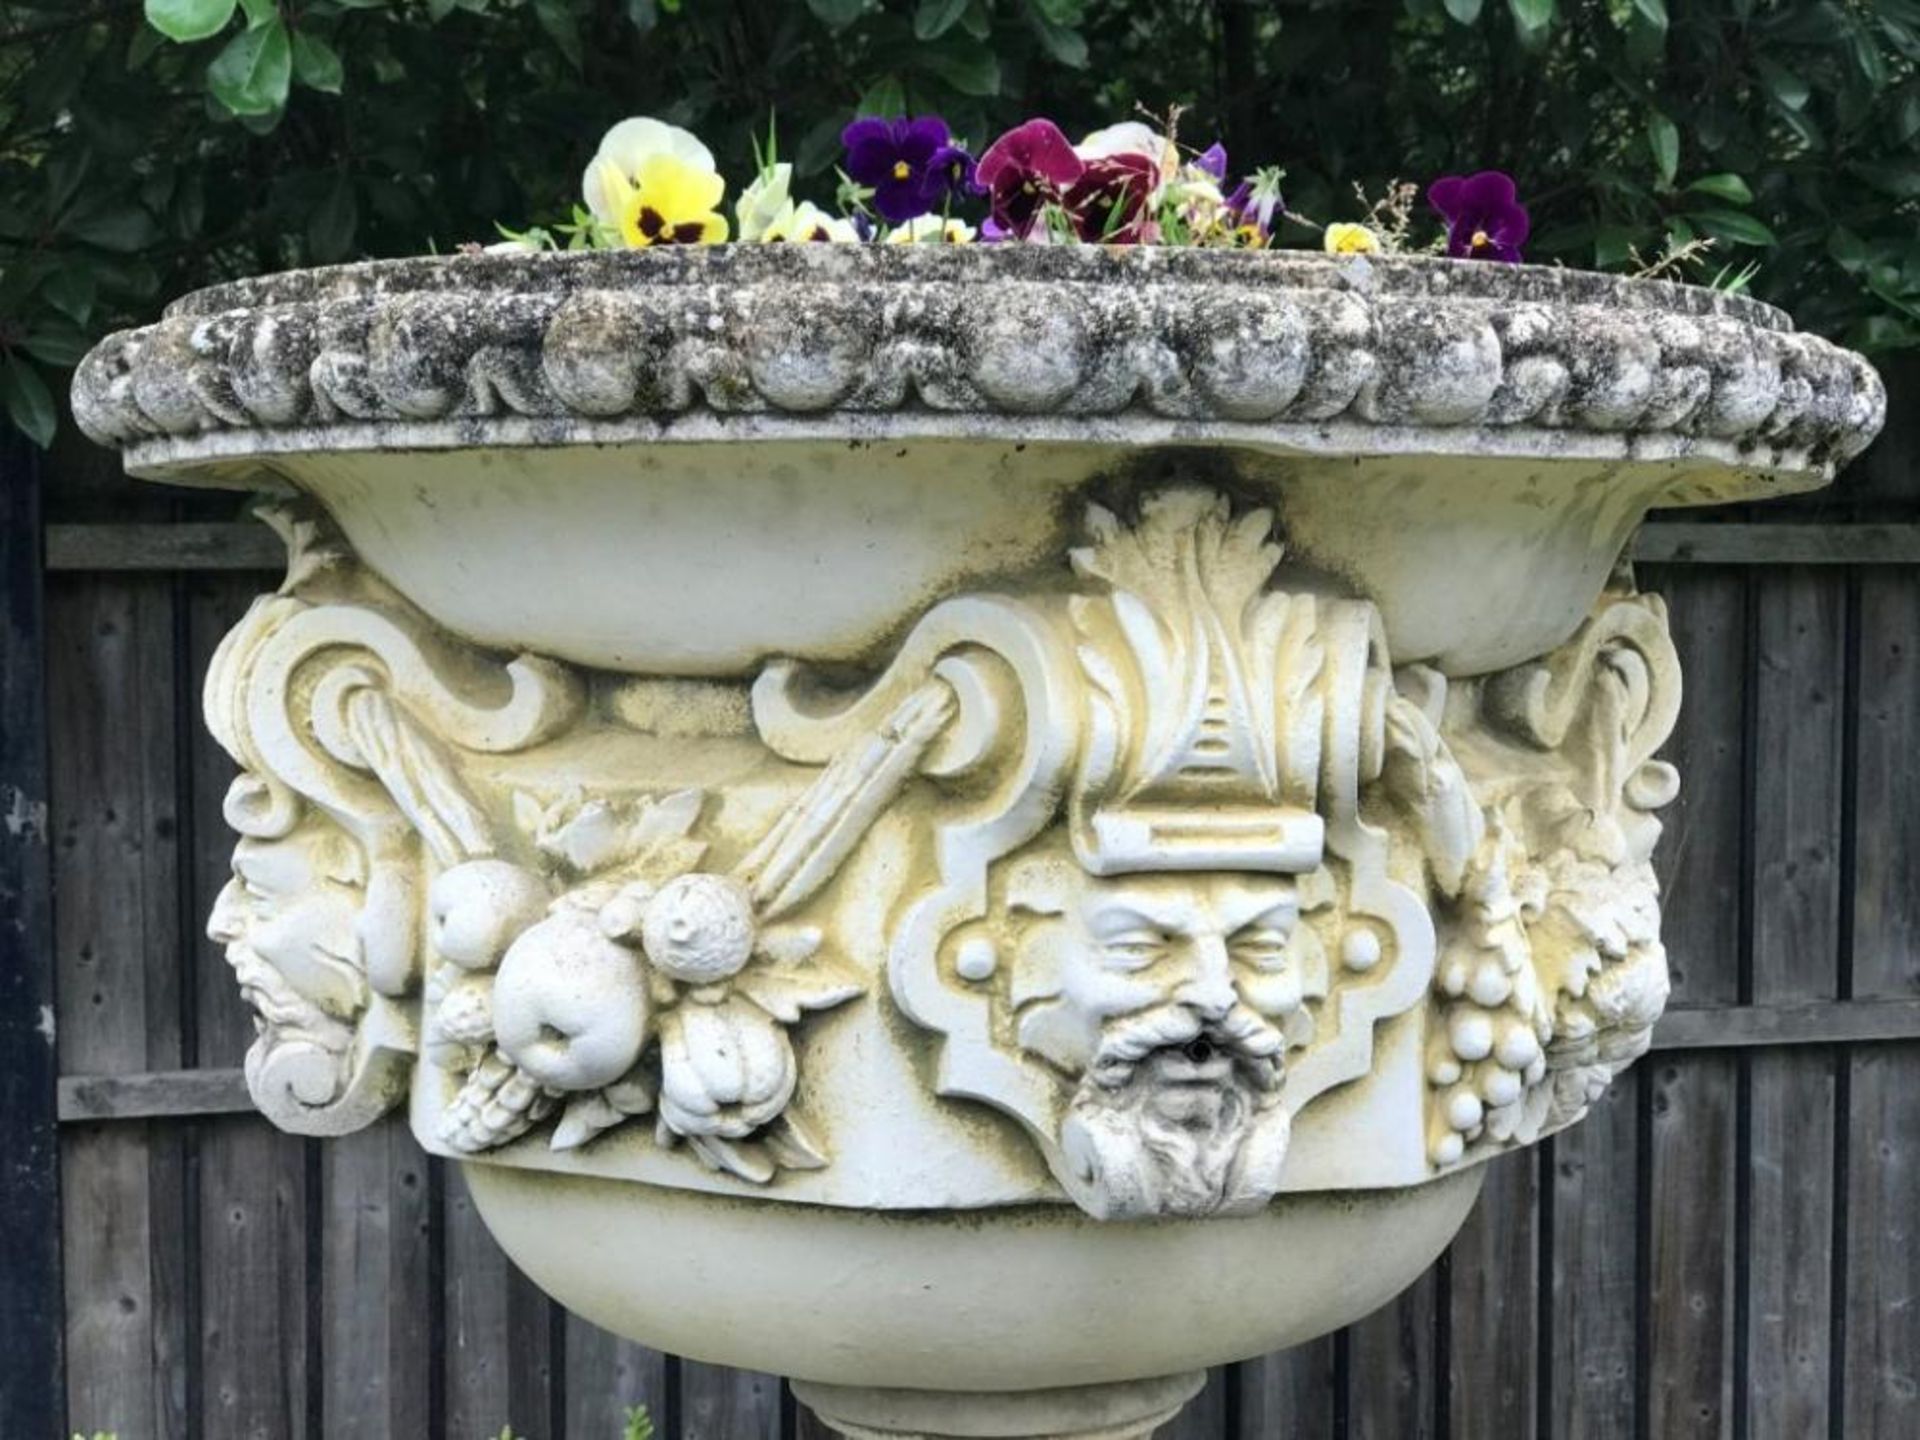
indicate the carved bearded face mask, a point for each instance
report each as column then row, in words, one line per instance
column 1159, row 995
column 288, row 918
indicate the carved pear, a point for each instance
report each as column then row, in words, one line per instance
column 570, row 1005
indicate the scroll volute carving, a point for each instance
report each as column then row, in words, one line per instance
column 343, row 711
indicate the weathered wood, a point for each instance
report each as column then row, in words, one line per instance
column 1692, row 1183
column 161, row 546
column 1799, row 706
column 1777, row 544
column 115, row 825
column 1288, row 1393
column 607, row 1375
column 31, row 1385
column 1392, row 1377
column 153, row 1093
column 256, row 1209
column 1591, row 1329
column 718, row 1403
column 375, row 1214
column 498, row 1366
column 1795, row 1023
column 1493, row 1284
column 1880, row 1317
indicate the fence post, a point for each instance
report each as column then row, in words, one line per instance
column 31, row 1308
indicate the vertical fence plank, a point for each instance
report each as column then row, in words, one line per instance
column 718, row 1403
column 1591, row 1331
column 375, row 1219
column 1800, row 684
column 116, row 876
column 32, row 1401
column 1693, row 1098
column 1392, row 1378
column 254, row 1206
column 1494, row 1286
column 1287, row 1393
column 605, row 1376
column 1881, row 1316
column 500, row 1332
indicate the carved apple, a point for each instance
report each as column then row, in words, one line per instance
column 699, row 928
column 478, row 906
column 570, row 1005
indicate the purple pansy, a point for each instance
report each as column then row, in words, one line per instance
column 952, row 173
column 1108, row 203
column 1213, row 160
column 1485, row 220
column 1025, row 170
column 894, row 158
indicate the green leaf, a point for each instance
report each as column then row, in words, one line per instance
column 838, row 14
column 1663, row 139
column 1724, row 187
column 260, row 12
column 1061, row 12
column 1465, row 11
column 331, row 227
column 1734, row 226
column 1066, row 45
column 885, row 96
column 1654, row 11
column 1785, row 86
column 28, row 402
column 113, row 223
column 57, row 344
column 189, row 20
column 643, row 15
column 251, row 76
column 1532, row 14
column 556, row 17
column 933, row 18
column 965, row 64
column 316, row 64
column 71, row 292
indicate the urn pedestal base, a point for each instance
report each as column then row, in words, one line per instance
column 1128, row 1411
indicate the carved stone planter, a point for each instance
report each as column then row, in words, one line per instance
column 981, row 828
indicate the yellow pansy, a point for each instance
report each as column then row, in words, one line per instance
column 931, row 230
column 807, row 222
column 1344, row 238
column 670, row 202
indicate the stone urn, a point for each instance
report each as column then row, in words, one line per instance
column 983, row 828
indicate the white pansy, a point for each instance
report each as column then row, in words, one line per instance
column 765, row 202
column 609, row 175
column 808, row 222
column 1131, row 137
column 931, row 230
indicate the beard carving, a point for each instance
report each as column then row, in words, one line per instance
column 1179, row 1115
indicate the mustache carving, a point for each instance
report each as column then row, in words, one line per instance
column 1251, row 1045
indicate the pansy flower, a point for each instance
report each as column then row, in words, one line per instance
column 807, row 223
column 1345, row 238
column 931, row 230
column 952, row 173
column 896, row 160
column 1109, row 203
column 655, row 184
column 1027, row 169
column 1485, row 220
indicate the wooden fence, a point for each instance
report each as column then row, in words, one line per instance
column 1726, row 1247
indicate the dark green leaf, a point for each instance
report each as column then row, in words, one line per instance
column 1733, row 226
column 933, row 18
column 556, row 17
column 57, row 344
column 1464, row 11
column 838, row 13
column 1785, row 86
column 1532, row 14
column 643, row 15
column 1067, row 46
column 316, row 64
column 1654, row 11
column 1663, row 139
column 113, row 223
column 1061, row 12
column 260, row 12
column 1724, row 187
column 331, row 227
column 71, row 292
column 884, row 97
column 251, row 76
column 189, row 20
column 28, row 402
column 964, row 63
